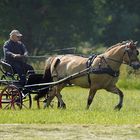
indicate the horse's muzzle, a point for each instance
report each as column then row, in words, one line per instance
column 135, row 65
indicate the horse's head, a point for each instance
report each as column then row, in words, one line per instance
column 131, row 55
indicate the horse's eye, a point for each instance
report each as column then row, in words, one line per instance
column 137, row 52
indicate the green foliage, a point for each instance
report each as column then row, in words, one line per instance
column 52, row 24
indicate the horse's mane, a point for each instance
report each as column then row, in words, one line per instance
column 118, row 44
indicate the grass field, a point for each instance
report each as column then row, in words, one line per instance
column 75, row 122
column 101, row 111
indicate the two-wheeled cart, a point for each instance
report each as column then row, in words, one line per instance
column 14, row 95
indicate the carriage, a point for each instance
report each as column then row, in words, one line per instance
column 15, row 95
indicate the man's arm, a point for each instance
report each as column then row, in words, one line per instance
column 25, row 50
column 6, row 50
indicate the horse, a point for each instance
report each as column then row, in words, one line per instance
column 103, row 72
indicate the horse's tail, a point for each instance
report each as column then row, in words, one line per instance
column 51, row 65
column 47, row 77
column 47, row 73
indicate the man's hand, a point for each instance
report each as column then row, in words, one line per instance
column 20, row 57
column 17, row 55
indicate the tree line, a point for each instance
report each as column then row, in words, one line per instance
column 48, row 25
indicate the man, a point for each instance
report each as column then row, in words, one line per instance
column 15, row 54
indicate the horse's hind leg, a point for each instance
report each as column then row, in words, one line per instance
column 47, row 102
column 120, row 93
column 55, row 92
column 51, row 95
column 92, row 93
column 61, row 103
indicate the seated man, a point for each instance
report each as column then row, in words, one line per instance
column 15, row 54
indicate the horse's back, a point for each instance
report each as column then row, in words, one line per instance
column 68, row 65
column 71, row 64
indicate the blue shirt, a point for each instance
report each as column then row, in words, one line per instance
column 10, row 48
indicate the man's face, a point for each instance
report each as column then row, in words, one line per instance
column 15, row 38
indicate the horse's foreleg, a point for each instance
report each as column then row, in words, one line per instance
column 120, row 93
column 90, row 97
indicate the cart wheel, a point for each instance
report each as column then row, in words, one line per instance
column 10, row 98
column 26, row 101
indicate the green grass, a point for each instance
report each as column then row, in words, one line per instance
column 100, row 112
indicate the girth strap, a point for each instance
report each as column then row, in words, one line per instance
column 105, row 71
column 88, row 63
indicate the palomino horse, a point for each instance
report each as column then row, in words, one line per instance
column 104, row 72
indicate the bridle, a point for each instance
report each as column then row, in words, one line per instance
column 127, row 51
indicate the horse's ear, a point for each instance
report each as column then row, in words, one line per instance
column 132, row 45
column 136, row 42
column 129, row 44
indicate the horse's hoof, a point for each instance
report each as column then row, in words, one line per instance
column 118, row 107
column 64, row 106
column 61, row 106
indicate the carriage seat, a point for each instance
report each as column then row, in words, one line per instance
column 7, row 70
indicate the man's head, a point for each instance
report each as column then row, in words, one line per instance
column 15, row 35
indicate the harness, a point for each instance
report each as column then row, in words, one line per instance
column 88, row 64
column 108, row 70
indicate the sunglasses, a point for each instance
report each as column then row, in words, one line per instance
column 18, row 36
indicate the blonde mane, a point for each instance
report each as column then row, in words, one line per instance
column 116, row 45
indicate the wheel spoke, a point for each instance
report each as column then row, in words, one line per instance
column 10, row 98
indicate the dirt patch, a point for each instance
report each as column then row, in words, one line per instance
column 68, row 132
